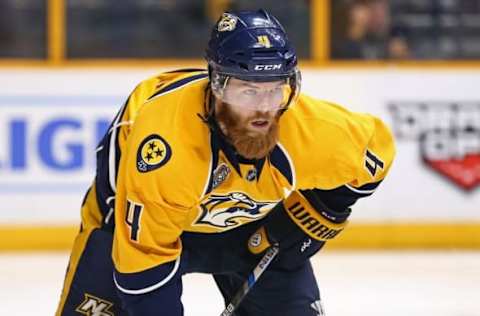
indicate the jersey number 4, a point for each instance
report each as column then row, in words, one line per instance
column 134, row 211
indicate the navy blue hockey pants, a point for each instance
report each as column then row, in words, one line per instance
column 89, row 288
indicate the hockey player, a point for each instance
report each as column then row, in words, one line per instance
column 203, row 170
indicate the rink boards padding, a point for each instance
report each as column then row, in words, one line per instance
column 356, row 236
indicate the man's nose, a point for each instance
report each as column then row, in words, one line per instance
column 265, row 103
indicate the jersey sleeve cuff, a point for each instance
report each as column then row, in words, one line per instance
column 364, row 190
column 148, row 280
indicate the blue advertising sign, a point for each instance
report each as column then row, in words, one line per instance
column 47, row 144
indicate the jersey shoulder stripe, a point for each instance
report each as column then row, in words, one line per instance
column 280, row 161
column 177, row 84
column 181, row 70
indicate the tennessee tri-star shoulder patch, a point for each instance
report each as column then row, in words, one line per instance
column 153, row 152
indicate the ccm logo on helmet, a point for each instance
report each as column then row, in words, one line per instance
column 268, row 67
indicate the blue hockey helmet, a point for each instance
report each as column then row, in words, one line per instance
column 251, row 46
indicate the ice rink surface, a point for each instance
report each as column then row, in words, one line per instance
column 352, row 284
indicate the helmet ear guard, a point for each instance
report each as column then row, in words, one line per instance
column 218, row 82
column 295, row 83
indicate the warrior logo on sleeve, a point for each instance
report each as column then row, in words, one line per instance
column 231, row 210
column 152, row 153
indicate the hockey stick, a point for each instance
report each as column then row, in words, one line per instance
column 251, row 280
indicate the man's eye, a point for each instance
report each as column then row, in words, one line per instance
column 277, row 90
column 250, row 92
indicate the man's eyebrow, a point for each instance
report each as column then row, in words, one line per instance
column 252, row 85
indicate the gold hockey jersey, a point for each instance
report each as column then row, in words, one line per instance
column 164, row 171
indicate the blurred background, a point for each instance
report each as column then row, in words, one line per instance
column 71, row 30
column 413, row 248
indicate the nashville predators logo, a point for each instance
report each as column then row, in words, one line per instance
column 231, row 210
column 152, row 153
column 228, row 22
column 94, row 306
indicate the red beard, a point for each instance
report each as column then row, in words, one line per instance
column 248, row 144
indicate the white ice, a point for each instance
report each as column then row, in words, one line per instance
column 352, row 284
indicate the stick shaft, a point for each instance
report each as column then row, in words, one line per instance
column 251, row 280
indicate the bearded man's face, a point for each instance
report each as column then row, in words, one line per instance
column 248, row 113
column 253, row 134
